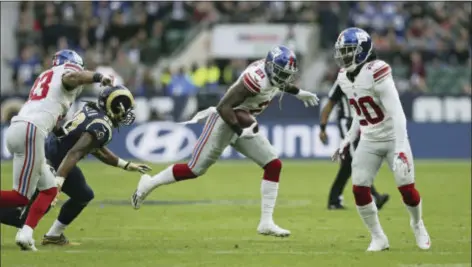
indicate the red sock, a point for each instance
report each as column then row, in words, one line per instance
column 362, row 195
column 40, row 206
column 410, row 195
column 182, row 172
column 272, row 170
column 9, row 199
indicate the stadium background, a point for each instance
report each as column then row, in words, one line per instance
column 179, row 57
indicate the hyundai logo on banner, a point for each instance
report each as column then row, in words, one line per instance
column 160, row 142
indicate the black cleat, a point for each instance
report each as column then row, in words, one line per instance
column 55, row 240
column 336, row 207
column 379, row 202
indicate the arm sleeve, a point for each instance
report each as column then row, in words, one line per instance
column 390, row 99
column 100, row 130
column 335, row 94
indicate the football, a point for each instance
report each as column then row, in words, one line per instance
column 245, row 118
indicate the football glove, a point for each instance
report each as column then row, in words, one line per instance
column 308, row 98
column 137, row 167
column 340, row 152
column 401, row 164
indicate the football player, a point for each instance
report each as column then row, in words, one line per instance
column 49, row 100
column 337, row 97
column 252, row 93
column 381, row 123
column 88, row 132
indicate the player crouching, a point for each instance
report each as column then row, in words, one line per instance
column 379, row 117
column 88, row 132
column 231, row 123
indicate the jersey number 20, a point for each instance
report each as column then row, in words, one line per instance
column 361, row 109
column 41, row 86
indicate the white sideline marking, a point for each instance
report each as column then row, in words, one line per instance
column 436, row 265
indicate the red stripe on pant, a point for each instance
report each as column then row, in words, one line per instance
column 26, row 157
column 33, row 144
column 210, row 129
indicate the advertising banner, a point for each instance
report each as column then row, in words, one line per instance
column 254, row 40
column 418, row 108
column 161, row 142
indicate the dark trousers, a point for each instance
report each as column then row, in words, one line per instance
column 75, row 186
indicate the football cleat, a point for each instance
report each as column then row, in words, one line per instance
column 141, row 192
column 272, row 229
column 56, row 240
column 422, row 237
column 336, row 207
column 378, row 244
column 25, row 242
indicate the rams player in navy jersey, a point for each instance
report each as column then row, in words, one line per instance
column 88, row 132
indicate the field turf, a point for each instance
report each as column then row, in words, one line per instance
column 212, row 221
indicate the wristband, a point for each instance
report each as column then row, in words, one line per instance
column 97, row 77
column 323, row 127
column 60, row 181
column 122, row 163
column 237, row 129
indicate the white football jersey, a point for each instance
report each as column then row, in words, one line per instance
column 373, row 82
column 48, row 100
column 256, row 80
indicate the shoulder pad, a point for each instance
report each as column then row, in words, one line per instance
column 379, row 69
column 254, row 78
column 100, row 129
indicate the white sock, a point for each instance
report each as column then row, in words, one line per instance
column 164, row 177
column 269, row 192
column 56, row 229
column 27, row 230
column 370, row 217
column 415, row 213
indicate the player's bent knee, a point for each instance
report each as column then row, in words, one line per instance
column 86, row 196
column 362, row 195
column 410, row 195
column 272, row 170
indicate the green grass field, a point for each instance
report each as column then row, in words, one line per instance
column 212, row 221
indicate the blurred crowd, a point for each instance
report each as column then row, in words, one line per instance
column 427, row 43
column 126, row 39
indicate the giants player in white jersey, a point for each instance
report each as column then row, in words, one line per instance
column 49, row 100
column 381, row 122
column 252, row 92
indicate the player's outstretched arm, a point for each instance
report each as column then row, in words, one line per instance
column 106, row 156
column 308, row 98
column 235, row 95
column 73, row 79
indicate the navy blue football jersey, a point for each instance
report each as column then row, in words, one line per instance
column 88, row 119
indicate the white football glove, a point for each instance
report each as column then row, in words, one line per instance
column 137, row 167
column 107, row 80
column 401, row 165
column 59, row 182
column 308, row 98
column 249, row 132
column 340, row 152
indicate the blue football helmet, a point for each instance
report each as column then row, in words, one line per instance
column 65, row 56
column 281, row 65
column 352, row 48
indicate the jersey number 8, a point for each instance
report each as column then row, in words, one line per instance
column 361, row 109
